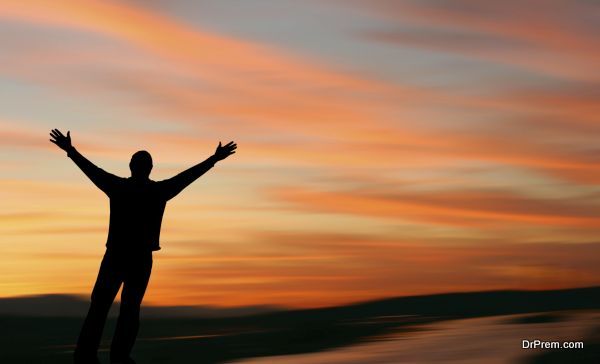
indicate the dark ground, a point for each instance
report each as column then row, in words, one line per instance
column 26, row 339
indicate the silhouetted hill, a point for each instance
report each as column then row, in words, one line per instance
column 469, row 304
column 464, row 304
column 416, row 309
column 43, row 305
column 63, row 305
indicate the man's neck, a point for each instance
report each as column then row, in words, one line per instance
column 139, row 179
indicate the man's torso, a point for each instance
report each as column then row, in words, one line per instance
column 136, row 211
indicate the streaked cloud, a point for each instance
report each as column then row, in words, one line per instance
column 363, row 267
column 462, row 208
column 556, row 37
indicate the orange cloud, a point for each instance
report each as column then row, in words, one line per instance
column 224, row 59
column 460, row 208
column 355, row 268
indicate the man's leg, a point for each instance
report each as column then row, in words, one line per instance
column 104, row 292
column 136, row 280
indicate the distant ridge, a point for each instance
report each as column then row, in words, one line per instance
column 65, row 305
column 462, row 304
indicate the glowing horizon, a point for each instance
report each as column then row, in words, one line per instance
column 384, row 148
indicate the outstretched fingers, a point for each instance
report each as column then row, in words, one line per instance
column 56, row 134
column 59, row 139
column 232, row 148
column 54, row 137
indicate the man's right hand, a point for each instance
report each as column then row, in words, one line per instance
column 63, row 142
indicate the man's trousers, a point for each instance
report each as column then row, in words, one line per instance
column 132, row 269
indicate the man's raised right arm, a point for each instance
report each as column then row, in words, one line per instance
column 172, row 186
column 102, row 179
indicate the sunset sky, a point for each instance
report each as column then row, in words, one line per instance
column 385, row 148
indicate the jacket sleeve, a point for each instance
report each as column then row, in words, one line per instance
column 172, row 186
column 102, row 179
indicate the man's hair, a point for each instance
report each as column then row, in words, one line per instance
column 141, row 164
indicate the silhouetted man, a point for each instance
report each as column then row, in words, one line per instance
column 137, row 204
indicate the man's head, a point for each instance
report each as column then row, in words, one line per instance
column 141, row 164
